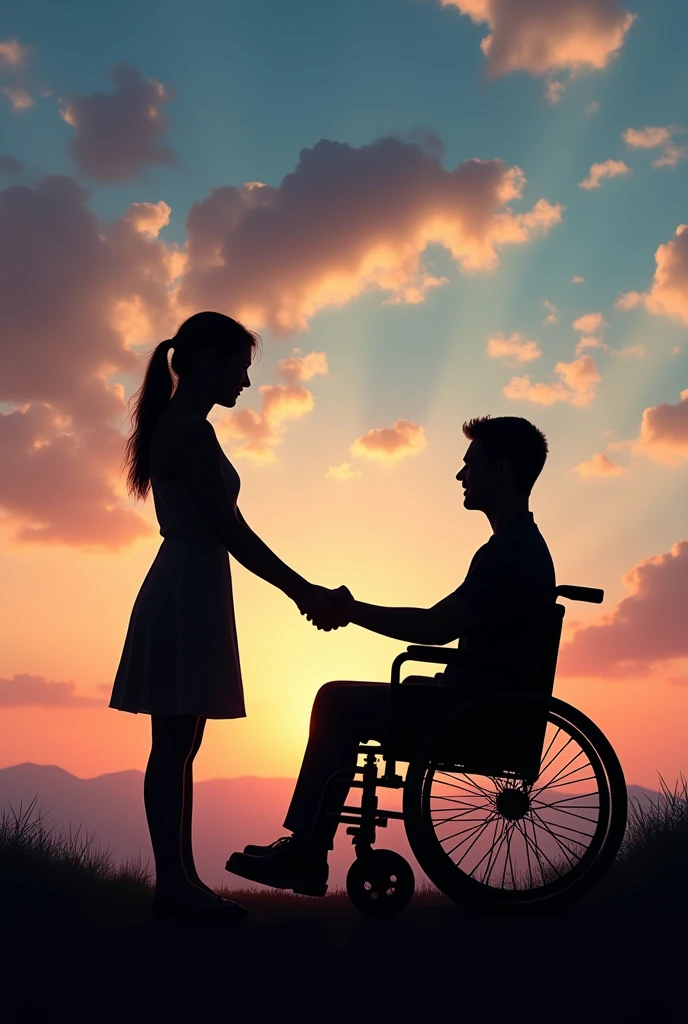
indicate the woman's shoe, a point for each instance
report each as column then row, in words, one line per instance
column 223, row 910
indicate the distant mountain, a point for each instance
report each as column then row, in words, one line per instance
column 228, row 813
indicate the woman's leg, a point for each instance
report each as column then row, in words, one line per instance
column 163, row 793
column 187, row 811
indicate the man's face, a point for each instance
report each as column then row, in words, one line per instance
column 479, row 478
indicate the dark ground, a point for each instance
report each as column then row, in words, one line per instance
column 301, row 959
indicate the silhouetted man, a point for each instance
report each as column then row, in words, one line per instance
column 509, row 578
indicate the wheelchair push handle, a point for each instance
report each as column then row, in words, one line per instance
column 590, row 594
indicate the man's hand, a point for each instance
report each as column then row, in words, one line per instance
column 327, row 609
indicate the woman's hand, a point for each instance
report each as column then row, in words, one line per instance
column 326, row 609
column 335, row 610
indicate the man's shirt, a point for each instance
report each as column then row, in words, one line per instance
column 509, row 580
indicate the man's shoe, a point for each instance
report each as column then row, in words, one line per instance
column 260, row 851
column 291, row 865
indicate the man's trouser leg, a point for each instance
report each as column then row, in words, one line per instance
column 345, row 714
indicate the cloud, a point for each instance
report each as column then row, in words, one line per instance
column 391, row 444
column 576, row 279
column 514, row 347
column 13, row 54
column 118, row 133
column 24, row 690
column 347, row 221
column 19, row 98
column 10, row 167
column 651, row 137
column 148, row 218
column 588, row 323
column 61, row 445
column 542, row 38
column 645, row 629
column 599, row 465
column 607, row 169
column 345, row 471
column 262, row 431
column 668, row 293
column 576, row 386
column 554, row 90
column 663, row 433
column 629, row 350
column 592, row 108
column 551, row 317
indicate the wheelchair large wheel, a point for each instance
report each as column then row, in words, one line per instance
column 503, row 843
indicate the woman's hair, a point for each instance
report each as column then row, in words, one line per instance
column 202, row 330
column 515, row 439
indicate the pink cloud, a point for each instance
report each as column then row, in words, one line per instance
column 668, row 293
column 606, row 169
column 61, row 446
column 118, row 133
column 347, row 221
column 599, row 465
column 514, row 347
column 19, row 98
column 262, row 431
column 391, row 444
column 577, row 279
column 645, row 629
column 13, row 54
column 592, row 108
column 551, row 317
column 25, row 690
column 554, row 91
column 663, row 433
column 576, row 385
column 541, row 36
column 651, row 137
column 588, row 323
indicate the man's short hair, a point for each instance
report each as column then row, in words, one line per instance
column 515, row 439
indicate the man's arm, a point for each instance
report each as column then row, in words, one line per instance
column 439, row 625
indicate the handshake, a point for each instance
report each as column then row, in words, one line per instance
column 327, row 609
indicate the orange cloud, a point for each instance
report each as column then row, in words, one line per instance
column 645, row 629
column 513, row 347
column 263, row 431
column 25, row 690
column 544, row 37
column 607, row 169
column 551, row 317
column 391, row 444
column 576, row 386
column 363, row 218
column 663, row 433
column 587, row 325
column 345, row 471
column 118, row 133
column 651, row 137
column 13, row 54
column 554, row 90
column 148, row 218
column 19, row 98
column 599, row 465
column 668, row 293
column 576, row 279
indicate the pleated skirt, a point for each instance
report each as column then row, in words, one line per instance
column 181, row 655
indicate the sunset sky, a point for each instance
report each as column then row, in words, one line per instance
column 430, row 210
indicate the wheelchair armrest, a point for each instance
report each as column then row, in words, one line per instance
column 437, row 655
column 416, row 652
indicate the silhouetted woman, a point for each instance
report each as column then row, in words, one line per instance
column 180, row 662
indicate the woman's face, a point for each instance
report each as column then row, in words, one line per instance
column 232, row 376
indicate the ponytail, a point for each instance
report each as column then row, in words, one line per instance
column 150, row 400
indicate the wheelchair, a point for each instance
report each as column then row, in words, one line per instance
column 513, row 801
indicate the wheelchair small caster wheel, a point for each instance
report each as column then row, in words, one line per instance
column 380, row 883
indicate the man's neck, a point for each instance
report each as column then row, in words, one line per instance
column 502, row 516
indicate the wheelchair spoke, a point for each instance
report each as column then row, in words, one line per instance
column 479, row 833
column 565, row 850
column 492, row 851
column 544, row 767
